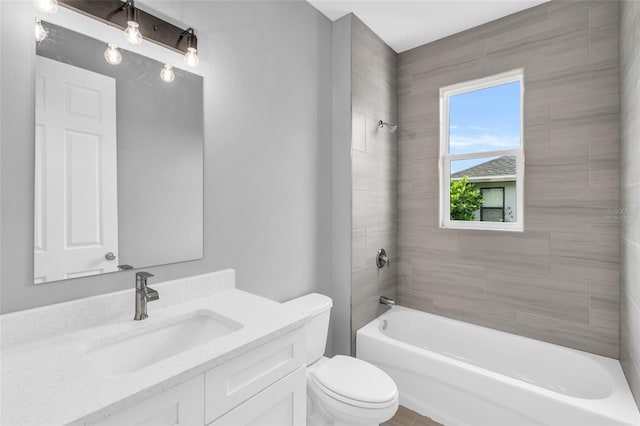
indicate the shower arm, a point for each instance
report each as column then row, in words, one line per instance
column 390, row 127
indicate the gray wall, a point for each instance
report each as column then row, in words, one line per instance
column 374, row 173
column 559, row 280
column 340, row 341
column 630, row 191
column 267, row 102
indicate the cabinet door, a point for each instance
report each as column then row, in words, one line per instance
column 282, row 404
column 239, row 379
column 180, row 405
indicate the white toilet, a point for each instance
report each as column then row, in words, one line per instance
column 341, row 391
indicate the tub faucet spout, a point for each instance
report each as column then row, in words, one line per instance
column 387, row 301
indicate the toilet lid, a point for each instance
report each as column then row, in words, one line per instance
column 353, row 380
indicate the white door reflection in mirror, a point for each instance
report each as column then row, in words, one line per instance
column 76, row 211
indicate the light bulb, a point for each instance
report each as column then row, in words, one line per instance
column 41, row 33
column 167, row 75
column 46, row 6
column 132, row 33
column 112, row 54
column 191, row 57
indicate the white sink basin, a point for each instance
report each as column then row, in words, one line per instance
column 137, row 349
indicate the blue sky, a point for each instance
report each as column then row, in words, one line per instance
column 484, row 120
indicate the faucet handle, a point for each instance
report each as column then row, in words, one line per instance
column 141, row 279
column 382, row 259
column 143, row 274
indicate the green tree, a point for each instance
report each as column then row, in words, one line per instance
column 465, row 199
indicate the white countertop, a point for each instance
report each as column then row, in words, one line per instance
column 47, row 379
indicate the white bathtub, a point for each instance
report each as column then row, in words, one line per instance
column 462, row 374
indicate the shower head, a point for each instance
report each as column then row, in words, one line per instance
column 390, row 127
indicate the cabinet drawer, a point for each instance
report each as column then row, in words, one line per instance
column 181, row 405
column 282, row 404
column 239, row 379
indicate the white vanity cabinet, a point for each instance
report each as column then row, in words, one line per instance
column 281, row 404
column 181, row 405
column 264, row 386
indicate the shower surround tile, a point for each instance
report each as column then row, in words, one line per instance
column 557, row 280
column 374, row 174
column 604, row 299
column 629, row 212
column 567, row 333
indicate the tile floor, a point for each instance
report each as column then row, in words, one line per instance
column 406, row 417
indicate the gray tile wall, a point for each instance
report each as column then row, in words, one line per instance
column 559, row 280
column 374, row 173
column 630, row 190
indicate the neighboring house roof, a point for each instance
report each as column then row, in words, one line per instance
column 503, row 167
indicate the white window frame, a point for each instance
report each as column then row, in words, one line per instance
column 512, row 76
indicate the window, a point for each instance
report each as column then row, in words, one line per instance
column 492, row 209
column 481, row 154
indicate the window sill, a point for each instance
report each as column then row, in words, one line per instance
column 486, row 226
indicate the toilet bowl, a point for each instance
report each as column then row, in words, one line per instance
column 341, row 391
column 348, row 391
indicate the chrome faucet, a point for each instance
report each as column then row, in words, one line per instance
column 144, row 294
column 387, row 301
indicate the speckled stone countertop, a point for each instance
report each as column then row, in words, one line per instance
column 47, row 379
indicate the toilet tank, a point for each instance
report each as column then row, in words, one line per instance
column 318, row 307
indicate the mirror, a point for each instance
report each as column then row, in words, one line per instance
column 118, row 163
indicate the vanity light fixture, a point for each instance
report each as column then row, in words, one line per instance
column 132, row 32
column 191, row 57
column 46, row 6
column 40, row 32
column 124, row 15
column 167, row 75
column 112, row 55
